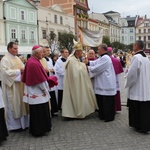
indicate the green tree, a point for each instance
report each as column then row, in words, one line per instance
column 66, row 40
column 117, row 45
column 130, row 47
column 106, row 40
column 51, row 37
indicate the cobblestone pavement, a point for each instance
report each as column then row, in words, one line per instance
column 86, row 134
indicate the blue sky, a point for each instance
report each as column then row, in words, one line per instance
column 124, row 7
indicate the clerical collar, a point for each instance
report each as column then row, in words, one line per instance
column 104, row 54
column 47, row 59
column 140, row 52
column 63, row 59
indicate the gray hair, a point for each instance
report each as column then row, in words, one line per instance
column 104, row 46
column 37, row 50
column 140, row 44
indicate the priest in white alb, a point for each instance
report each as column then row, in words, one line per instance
column 102, row 71
column 12, row 88
column 138, row 82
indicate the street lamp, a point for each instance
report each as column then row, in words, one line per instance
column 16, row 41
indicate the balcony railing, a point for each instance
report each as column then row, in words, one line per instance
column 23, row 40
column 32, row 41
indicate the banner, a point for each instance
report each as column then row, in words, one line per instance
column 90, row 38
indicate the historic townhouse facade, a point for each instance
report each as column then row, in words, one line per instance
column 2, row 37
column 114, row 19
column 103, row 23
column 55, row 20
column 2, row 30
column 128, row 30
column 143, row 31
column 21, row 24
column 124, row 31
column 93, row 24
column 77, row 8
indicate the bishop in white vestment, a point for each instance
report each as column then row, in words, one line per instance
column 78, row 95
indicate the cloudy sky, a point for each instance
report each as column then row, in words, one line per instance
column 124, row 7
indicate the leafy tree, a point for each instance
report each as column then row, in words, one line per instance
column 51, row 37
column 106, row 40
column 117, row 45
column 66, row 40
column 130, row 46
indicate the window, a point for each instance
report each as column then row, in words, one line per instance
column 61, row 20
column 22, row 15
column 44, row 34
column 148, row 30
column 13, row 33
column 125, row 38
column 79, row 23
column 146, row 24
column 122, row 38
column 139, row 30
column 131, row 30
column 85, row 25
column 131, row 39
column 32, row 35
column 55, row 18
column 148, row 45
column 139, row 37
column 23, row 34
column 144, row 30
column 148, row 37
column 144, row 38
column 122, row 30
column 78, row 11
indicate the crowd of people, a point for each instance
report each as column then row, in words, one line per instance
column 34, row 90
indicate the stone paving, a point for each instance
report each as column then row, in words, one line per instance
column 83, row 134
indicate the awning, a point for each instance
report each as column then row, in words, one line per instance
column 21, row 50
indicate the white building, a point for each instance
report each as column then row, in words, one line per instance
column 114, row 19
column 53, row 19
column 128, row 30
column 103, row 23
column 2, row 30
column 20, row 25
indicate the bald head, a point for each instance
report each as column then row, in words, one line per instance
column 91, row 54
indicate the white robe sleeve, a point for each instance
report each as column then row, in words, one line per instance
column 93, row 63
column 59, row 68
column 133, row 72
column 98, row 68
column 18, row 76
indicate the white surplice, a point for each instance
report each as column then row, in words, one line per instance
column 138, row 72
column 104, row 76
